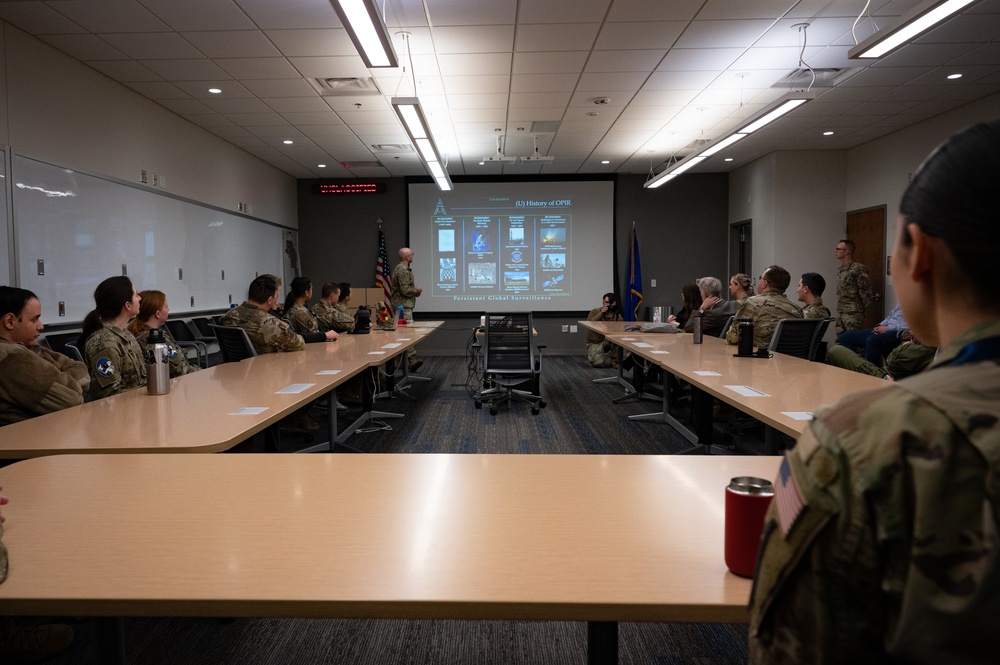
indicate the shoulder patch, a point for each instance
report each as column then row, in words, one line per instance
column 105, row 368
column 787, row 498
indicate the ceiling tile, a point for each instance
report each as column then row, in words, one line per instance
column 624, row 61
column 285, row 105
column 645, row 35
column 700, row 59
column 723, row 34
column 475, row 64
column 331, row 67
column 681, row 80
column 257, row 68
column 200, row 89
column 184, row 106
column 617, row 82
column 232, row 44
column 101, row 16
column 543, row 82
column 84, row 47
column 186, row 70
column 158, row 90
column 549, row 63
column 152, row 45
column 561, row 11
column 124, row 70
column 539, row 99
column 37, row 18
column 477, row 39
column 290, row 14
column 238, row 105
column 279, row 88
column 462, row 12
column 466, row 85
column 559, row 37
column 209, row 120
column 643, row 10
column 183, row 15
column 317, row 42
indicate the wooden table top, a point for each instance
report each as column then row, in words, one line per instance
column 570, row 537
column 791, row 385
column 196, row 416
column 609, row 327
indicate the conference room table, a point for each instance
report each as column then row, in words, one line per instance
column 590, row 538
column 610, row 328
column 781, row 391
column 211, row 410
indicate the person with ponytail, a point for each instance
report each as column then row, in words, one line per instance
column 113, row 356
column 882, row 544
column 300, row 318
column 740, row 288
column 153, row 313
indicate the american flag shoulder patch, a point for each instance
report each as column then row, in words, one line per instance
column 787, row 498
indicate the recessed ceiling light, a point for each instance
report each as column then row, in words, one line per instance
column 728, row 159
column 827, row 133
column 605, row 161
column 287, row 142
column 952, row 77
column 321, row 166
column 215, row 91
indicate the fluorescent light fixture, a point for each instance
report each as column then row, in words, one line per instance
column 367, row 30
column 783, row 105
column 412, row 117
column 910, row 26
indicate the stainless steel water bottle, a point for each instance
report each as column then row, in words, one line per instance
column 157, row 364
column 696, row 326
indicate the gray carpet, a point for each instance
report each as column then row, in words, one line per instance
column 579, row 419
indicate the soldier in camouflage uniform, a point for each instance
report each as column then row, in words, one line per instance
column 854, row 291
column 810, row 291
column 766, row 309
column 600, row 352
column 267, row 333
column 405, row 292
column 153, row 313
column 882, row 544
column 331, row 311
column 301, row 319
column 113, row 356
column 905, row 360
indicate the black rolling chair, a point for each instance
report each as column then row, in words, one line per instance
column 64, row 343
column 796, row 337
column 819, row 346
column 512, row 363
column 204, row 327
column 186, row 339
column 234, row 344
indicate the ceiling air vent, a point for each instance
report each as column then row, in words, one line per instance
column 334, row 87
column 392, row 147
column 370, row 164
column 825, row 78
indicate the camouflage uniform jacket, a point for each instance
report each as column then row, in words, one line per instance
column 854, row 291
column 765, row 310
column 816, row 310
column 35, row 380
column 115, row 361
column 404, row 289
column 267, row 332
column 597, row 315
column 179, row 363
column 334, row 317
column 894, row 555
column 303, row 321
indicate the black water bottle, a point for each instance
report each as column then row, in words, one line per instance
column 745, row 347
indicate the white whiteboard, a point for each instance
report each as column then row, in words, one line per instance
column 84, row 228
column 6, row 275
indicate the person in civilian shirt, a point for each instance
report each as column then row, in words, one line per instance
column 714, row 310
column 877, row 342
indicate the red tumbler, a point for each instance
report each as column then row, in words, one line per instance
column 747, row 499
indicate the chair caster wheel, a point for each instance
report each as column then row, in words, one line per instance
column 534, row 410
column 493, row 411
column 479, row 404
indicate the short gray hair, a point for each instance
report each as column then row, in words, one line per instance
column 710, row 285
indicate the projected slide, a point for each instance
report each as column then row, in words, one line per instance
column 513, row 244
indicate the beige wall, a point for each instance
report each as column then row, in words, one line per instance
column 58, row 110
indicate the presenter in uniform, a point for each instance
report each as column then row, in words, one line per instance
column 405, row 292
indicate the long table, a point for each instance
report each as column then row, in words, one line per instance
column 781, row 391
column 207, row 411
column 599, row 539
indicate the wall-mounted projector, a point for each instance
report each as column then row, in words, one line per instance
column 537, row 158
column 501, row 158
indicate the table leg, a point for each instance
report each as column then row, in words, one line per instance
column 109, row 640
column 602, row 643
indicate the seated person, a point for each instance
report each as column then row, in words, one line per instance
column 714, row 310
column 810, row 291
column 740, row 288
column 153, row 313
column 267, row 333
column 113, row 356
column 327, row 313
column 907, row 359
column 690, row 301
column 599, row 350
column 34, row 380
column 766, row 308
column 301, row 319
column 877, row 342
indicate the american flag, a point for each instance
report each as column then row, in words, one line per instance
column 787, row 498
column 382, row 270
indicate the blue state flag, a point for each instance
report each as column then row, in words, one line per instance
column 633, row 289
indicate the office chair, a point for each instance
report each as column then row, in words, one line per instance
column 725, row 328
column 186, row 339
column 819, row 346
column 512, row 364
column 796, row 337
column 58, row 341
column 201, row 324
column 234, row 344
